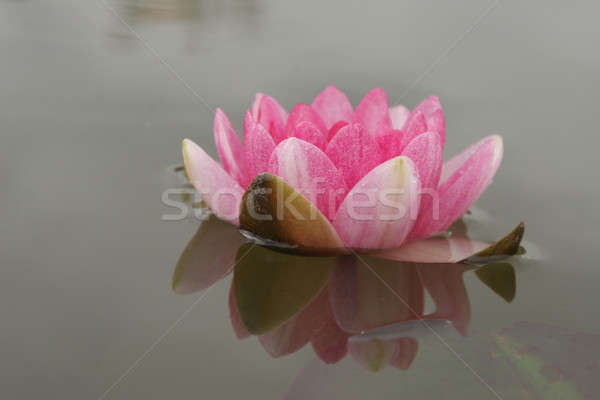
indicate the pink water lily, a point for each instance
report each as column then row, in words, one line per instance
column 336, row 155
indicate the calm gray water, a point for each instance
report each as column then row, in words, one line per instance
column 92, row 114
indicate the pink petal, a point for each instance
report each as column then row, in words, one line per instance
column 414, row 126
column 445, row 284
column 354, row 152
column 485, row 154
column 399, row 114
column 296, row 332
column 434, row 116
column 425, row 151
column 372, row 112
column 406, row 351
column 230, row 148
column 302, row 113
column 306, row 168
column 258, row 146
column 463, row 180
column 271, row 115
column 367, row 293
column 234, row 315
column 335, row 129
column 380, row 210
column 390, row 144
column 311, row 172
column 218, row 189
column 332, row 105
column 458, row 161
column 309, row 133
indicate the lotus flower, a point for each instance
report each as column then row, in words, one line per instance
column 335, row 156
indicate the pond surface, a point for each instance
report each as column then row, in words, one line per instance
column 96, row 98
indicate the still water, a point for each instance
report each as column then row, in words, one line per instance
column 96, row 98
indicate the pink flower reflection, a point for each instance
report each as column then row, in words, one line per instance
column 360, row 299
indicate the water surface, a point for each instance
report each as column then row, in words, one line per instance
column 92, row 117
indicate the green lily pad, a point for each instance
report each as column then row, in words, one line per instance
column 275, row 212
column 508, row 246
column 271, row 287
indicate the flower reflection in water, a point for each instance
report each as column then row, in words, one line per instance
column 364, row 306
column 370, row 311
